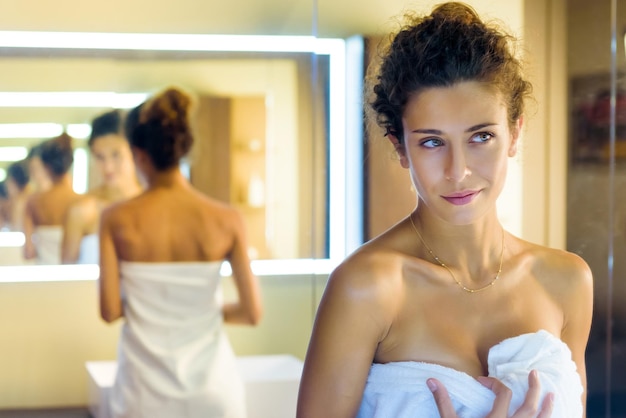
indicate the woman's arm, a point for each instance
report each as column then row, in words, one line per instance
column 354, row 315
column 18, row 211
column 577, row 303
column 109, row 282
column 29, row 227
column 73, row 232
column 248, row 309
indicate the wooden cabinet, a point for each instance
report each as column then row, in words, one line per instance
column 228, row 161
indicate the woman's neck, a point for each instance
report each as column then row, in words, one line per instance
column 474, row 249
column 61, row 182
column 122, row 191
column 166, row 179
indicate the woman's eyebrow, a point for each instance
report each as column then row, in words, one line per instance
column 438, row 132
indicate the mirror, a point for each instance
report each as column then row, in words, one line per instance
column 260, row 158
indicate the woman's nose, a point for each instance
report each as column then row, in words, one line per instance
column 457, row 169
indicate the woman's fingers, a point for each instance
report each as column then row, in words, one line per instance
column 528, row 409
column 442, row 399
column 503, row 396
column 546, row 406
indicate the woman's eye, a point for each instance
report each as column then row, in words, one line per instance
column 482, row 137
column 431, row 143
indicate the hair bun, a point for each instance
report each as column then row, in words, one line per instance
column 456, row 12
column 57, row 154
column 161, row 126
column 171, row 108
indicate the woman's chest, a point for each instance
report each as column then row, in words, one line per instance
column 456, row 329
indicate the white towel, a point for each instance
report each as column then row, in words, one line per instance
column 89, row 252
column 398, row 389
column 175, row 360
column 47, row 241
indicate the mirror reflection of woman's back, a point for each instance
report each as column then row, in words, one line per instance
column 46, row 209
column 118, row 181
column 160, row 258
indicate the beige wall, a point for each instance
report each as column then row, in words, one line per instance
column 49, row 331
column 544, row 147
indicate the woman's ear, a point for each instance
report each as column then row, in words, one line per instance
column 139, row 157
column 515, row 134
column 400, row 151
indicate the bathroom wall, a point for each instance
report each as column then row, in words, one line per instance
column 50, row 329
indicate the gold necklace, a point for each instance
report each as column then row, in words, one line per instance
column 442, row 264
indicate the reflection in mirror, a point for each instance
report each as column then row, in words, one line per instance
column 253, row 125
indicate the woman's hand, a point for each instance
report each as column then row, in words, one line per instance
column 528, row 409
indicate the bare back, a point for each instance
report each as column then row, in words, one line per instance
column 173, row 225
column 50, row 207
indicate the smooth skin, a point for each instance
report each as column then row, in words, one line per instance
column 114, row 163
column 47, row 208
column 17, row 204
column 390, row 301
column 173, row 222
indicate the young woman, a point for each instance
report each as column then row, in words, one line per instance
column 160, row 259
column 446, row 296
column 46, row 208
column 114, row 163
column 38, row 173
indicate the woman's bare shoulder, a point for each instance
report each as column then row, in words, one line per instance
column 125, row 208
column 86, row 205
column 562, row 271
column 369, row 273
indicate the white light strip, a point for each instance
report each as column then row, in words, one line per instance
column 30, row 130
column 294, row 267
column 159, row 42
column 61, row 273
column 354, row 142
column 337, row 164
column 11, row 239
column 79, row 171
column 43, row 130
column 78, row 130
column 3, row 174
column 90, row 272
column 96, row 99
column 13, row 153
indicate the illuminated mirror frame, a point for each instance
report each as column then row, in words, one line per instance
column 345, row 130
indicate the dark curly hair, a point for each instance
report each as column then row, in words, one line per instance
column 162, row 128
column 57, row 154
column 449, row 46
column 111, row 122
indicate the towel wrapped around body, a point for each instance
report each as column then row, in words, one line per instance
column 174, row 357
column 47, row 241
column 399, row 390
column 89, row 252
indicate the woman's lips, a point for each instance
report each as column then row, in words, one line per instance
column 461, row 198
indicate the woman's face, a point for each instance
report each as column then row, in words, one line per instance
column 39, row 174
column 457, row 144
column 13, row 190
column 113, row 159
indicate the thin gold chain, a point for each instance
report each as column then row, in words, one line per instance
column 442, row 264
